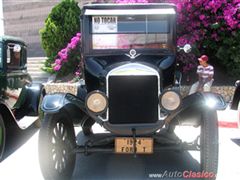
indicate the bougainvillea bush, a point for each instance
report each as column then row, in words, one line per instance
column 68, row 59
column 213, row 27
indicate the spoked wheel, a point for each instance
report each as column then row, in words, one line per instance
column 2, row 137
column 56, row 145
column 209, row 144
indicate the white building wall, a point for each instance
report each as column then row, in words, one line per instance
column 1, row 19
column 24, row 19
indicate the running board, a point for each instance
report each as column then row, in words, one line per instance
column 26, row 121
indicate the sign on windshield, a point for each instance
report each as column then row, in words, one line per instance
column 130, row 24
column 130, row 31
column 107, row 24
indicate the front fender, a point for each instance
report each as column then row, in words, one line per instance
column 28, row 102
column 192, row 106
column 53, row 103
column 33, row 98
column 73, row 105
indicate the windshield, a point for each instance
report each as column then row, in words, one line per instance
column 1, row 61
column 131, row 31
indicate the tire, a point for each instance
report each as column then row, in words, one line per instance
column 209, row 143
column 57, row 142
column 2, row 137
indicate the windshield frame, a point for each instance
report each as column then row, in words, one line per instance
column 87, row 39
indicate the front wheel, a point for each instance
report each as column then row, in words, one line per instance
column 209, row 144
column 2, row 137
column 56, row 145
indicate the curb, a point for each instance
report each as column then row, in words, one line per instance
column 229, row 119
column 224, row 124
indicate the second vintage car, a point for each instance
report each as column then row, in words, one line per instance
column 129, row 57
column 19, row 97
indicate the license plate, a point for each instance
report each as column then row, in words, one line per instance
column 125, row 145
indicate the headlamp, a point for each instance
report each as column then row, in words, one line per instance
column 170, row 100
column 96, row 102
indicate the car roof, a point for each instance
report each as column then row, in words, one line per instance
column 130, row 6
column 129, row 9
column 11, row 38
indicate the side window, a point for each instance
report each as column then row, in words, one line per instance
column 13, row 56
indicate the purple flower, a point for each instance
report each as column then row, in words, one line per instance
column 72, row 45
column 202, row 17
column 57, row 67
column 63, row 56
column 236, row 1
column 64, row 51
column 78, row 35
column 69, row 46
column 182, row 41
column 75, row 39
column 58, row 61
column 77, row 73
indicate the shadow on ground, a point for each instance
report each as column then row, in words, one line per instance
column 17, row 138
column 236, row 141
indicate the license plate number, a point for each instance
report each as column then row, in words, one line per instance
column 126, row 145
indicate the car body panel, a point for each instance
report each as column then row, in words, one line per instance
column 236, row 97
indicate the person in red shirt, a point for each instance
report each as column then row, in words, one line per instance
column 205, row 76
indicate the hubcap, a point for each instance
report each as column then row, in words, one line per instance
column 60, row 146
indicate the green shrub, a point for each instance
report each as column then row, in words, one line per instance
column 60, row 26
column 229, row 54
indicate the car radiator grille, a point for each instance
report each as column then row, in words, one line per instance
column 133, row 99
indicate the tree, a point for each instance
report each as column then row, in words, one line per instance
column 60, row 26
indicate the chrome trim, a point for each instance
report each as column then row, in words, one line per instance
column 237, row 83
column 133, row 54
column 132, row 69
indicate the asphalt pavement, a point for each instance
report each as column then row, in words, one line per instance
column 22, row 160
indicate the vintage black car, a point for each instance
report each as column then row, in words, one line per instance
column 131, row 90
column 19, row 97
column 236, row 97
